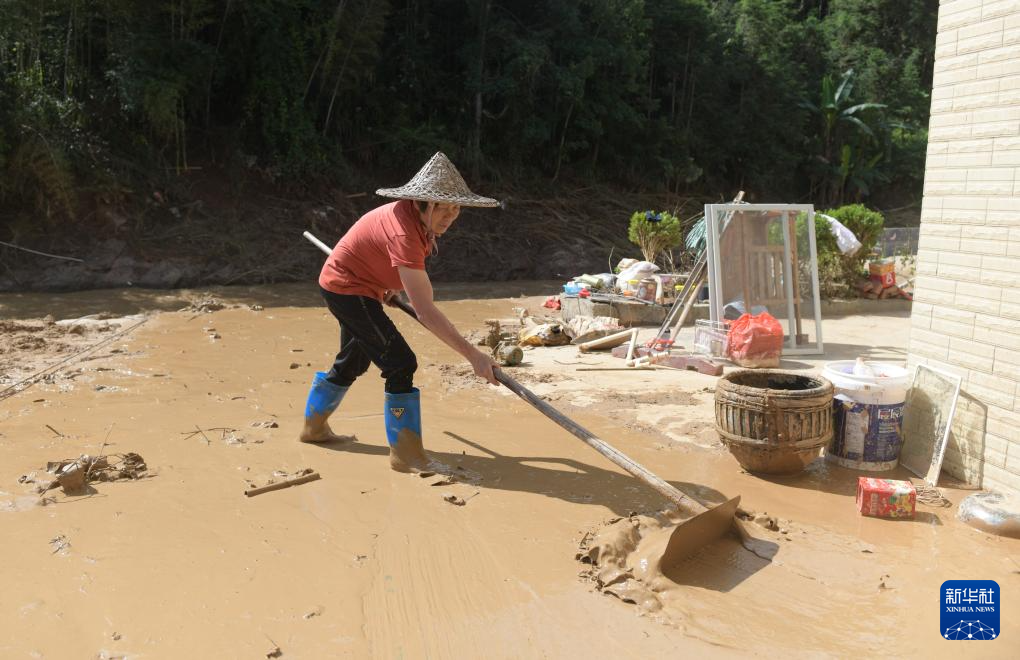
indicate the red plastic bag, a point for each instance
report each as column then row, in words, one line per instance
column 552, row 302
column 755, row 341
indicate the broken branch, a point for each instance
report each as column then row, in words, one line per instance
column 305, row 478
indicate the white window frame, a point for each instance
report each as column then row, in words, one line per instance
column 714, row 211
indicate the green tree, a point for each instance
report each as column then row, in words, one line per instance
column 890, row 44
column 685, row 96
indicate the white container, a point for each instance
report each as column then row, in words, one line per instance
column 868, row 415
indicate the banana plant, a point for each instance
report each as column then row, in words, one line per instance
column 857, row 171
column 835, row 111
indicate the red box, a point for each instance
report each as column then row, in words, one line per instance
column 886, row 498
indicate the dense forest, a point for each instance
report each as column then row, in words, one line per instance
column 824, row 101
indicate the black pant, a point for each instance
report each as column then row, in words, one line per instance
column 367, row 335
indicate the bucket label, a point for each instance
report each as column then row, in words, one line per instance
column 870, row 433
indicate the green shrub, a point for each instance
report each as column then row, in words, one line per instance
column 867, row 226
column 837, row 273
column 654, row 232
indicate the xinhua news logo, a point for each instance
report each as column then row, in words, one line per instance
column 970, row 609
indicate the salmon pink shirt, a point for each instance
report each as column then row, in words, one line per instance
column 365, row 261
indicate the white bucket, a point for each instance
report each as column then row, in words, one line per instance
column 868, row 415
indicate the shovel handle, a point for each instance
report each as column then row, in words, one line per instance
column 681, row 500
column 668, row 491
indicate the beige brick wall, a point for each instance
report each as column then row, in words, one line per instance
column 966, row 314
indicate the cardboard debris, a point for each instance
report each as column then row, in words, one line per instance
column 545, row 334
column 454, row 500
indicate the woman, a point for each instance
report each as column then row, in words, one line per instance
column 381, row 255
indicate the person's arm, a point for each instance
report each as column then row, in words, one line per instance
column 419, row 291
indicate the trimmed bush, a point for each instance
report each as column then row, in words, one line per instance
column 654, row 232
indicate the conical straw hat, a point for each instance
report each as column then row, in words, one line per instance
column 438, row 181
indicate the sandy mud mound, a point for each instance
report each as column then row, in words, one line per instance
column 21, row 339
column 207, row 303
column 620, row 564
column 30, row 349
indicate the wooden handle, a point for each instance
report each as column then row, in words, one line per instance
column 682, row 501
column 688, row 305
column 303, row 479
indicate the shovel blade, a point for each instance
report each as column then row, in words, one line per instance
column 694, row 534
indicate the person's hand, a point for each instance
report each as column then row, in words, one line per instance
column 483, row 364
column 389, row 295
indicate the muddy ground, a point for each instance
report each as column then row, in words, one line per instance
column 364, row 562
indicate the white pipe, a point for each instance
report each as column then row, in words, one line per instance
column 595, row 343
column 630, row 348
column 646, row 360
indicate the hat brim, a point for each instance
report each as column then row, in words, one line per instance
column 443, row 198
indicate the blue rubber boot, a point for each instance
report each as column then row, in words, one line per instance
column 403, row 411
column 403, row 431
column 323, row 399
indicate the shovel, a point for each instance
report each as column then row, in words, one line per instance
column 705, row 525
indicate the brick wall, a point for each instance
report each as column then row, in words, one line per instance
column 966, row 314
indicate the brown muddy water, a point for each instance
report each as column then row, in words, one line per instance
column 366, row 562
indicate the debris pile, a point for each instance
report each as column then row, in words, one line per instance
column 206, row 303
column 73, row 474
column 881, row 283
